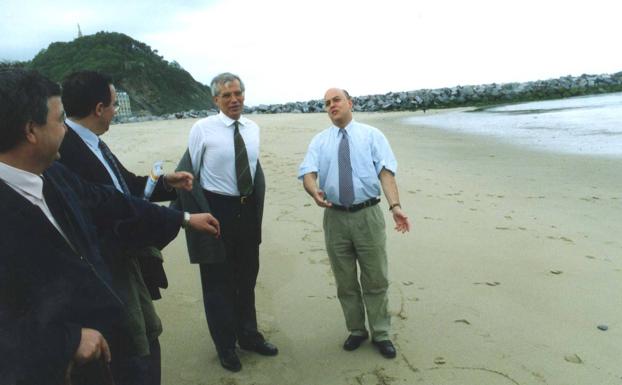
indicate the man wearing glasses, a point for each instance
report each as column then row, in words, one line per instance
column 90, row 100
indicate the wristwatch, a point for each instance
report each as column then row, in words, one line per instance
column 186, row 220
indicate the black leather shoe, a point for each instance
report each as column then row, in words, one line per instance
column 230, row 361
column 264, row 348
column 353, row 342
column 386, row 348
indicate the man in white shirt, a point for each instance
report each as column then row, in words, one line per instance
column 224, row 153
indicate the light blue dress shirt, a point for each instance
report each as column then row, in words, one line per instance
column 370, row 152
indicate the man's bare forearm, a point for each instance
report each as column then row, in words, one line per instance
column 389, row 186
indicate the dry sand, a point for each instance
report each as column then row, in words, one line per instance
column 513, row 261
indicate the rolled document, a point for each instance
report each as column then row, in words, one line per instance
column 152, row 180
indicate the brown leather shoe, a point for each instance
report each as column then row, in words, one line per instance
column 353, row 342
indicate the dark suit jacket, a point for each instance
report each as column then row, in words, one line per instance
column 204, row 248
column 48, row 292
column 76, row 155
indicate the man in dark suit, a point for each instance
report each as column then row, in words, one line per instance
column 57, row 307
column 223, row 152
column 90, row 101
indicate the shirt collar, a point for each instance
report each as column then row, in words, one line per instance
column 348, row 128
column 84, row 133
column 27, row 182
column 227, row 121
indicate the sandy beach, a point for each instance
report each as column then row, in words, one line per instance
column 513, row 261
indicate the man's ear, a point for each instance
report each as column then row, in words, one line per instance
column 30, row 132
column 99, row 109
column 214, row 99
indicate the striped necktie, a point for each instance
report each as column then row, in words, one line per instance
column 114, row 166
column 242, row 169
column 346, row 188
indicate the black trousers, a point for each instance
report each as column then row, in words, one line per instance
column 229, row 287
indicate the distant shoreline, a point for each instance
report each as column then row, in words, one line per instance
column 425, row 99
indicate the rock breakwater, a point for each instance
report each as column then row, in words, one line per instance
column 486, row 94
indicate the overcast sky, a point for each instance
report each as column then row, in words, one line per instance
column 294, row 50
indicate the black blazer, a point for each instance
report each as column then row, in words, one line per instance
column 48, row 291
column 76, row 155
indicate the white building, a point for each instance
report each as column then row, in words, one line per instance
column 124, row 110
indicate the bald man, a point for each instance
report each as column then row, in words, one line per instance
column 353, row 161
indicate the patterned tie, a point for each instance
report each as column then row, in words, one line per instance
column 114, row 166
column 346, row 188
column 242, row 169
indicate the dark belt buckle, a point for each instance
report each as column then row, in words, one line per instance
column 243, row 199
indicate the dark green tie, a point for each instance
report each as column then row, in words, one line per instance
column 242, row 170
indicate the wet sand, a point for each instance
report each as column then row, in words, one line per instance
column 513, row 261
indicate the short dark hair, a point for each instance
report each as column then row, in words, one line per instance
column 24, row 98
column 83, row 90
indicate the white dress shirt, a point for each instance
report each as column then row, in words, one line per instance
column 211, row 139
column 92, row 142
column 30, row 186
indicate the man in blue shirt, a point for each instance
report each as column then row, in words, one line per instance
column 353, row 160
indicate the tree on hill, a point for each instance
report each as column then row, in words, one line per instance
column 7, row 64
column 154, row 85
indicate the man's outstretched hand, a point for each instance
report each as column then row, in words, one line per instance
column 180, row 180
column 205, row 222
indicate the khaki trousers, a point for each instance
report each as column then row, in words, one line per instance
column 360, row 238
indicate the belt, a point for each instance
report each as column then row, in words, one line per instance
column 358, row 206
column 241, row 199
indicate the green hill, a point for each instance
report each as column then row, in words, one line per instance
column 154, row 85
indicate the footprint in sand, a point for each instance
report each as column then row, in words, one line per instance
column 560, row 238
column 377, row 376
column 495, row 283
column 573, row 358
column 590, row 199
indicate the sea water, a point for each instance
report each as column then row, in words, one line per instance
column 590, row 125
